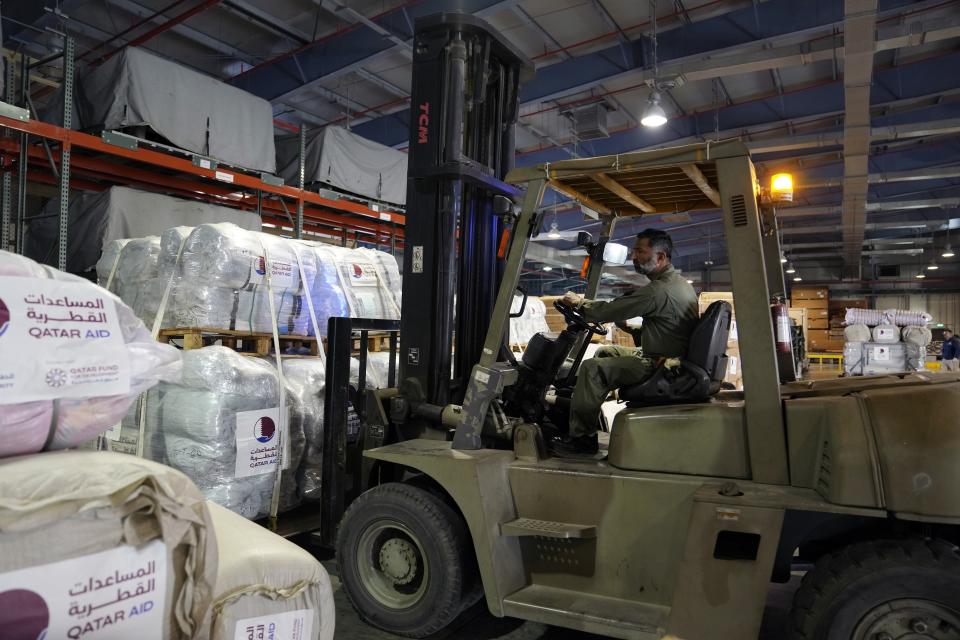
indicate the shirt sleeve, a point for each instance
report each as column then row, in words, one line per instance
column 638, row 303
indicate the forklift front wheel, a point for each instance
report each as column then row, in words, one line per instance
column 400, row 554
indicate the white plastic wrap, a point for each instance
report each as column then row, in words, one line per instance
column 886, row 333
column 877, row 358
column 853, row 356
column 533, row 320
column 920, row 336
column 26, row 426
column 898, row 317
column 857, row 333
column 192, row 426
column 305, row 378
column 108, row 262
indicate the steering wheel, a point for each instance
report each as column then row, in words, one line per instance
column 576, row 319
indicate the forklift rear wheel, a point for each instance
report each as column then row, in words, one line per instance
column 881, row 590
column 400, row 556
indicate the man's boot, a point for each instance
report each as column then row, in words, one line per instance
column 570, row 447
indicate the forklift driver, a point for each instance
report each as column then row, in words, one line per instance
column 668, row 306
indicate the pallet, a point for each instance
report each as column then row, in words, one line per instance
column 246, row 342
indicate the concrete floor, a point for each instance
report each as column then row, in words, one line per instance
column 477, row 623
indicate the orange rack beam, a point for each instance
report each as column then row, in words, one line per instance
column 221, row 185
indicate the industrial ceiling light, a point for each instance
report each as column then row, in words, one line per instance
column 798, row 279
column 548, row 268
column 920, row 276
column 947, row 252
column 790, row 269
column 689, row 281
column 653, row 115
column 554, row 233
column 783, row 258
column 932, row 266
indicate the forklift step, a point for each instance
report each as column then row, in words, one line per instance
column 547, row 529
column 589, row 612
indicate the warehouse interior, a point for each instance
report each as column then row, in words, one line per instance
column 242, row 242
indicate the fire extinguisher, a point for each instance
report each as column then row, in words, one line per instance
column 781, row 325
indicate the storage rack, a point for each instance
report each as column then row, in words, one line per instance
column 73, row 159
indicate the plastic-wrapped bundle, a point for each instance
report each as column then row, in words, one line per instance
column 886, row 333
column 329, row 299
column 877, row 358
column 305, row 378
column 857, row 333
column 853, row 356
column 193, row 426
column 109, row 259
column 920, row 336
column 263, row 579
column 378, row 369
column 27, row 425
column 222, row 282
column 170, row 242
column 136, row 275
column 898, row 317
column 79, row 518
column 532, row 322
column 389, row 274
column 364, row 281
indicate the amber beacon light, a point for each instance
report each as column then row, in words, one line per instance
column 781, row 187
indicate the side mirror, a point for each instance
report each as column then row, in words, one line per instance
column 583, row 239
column 614, row 253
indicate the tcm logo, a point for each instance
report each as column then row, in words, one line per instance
column 424, row 123
column 264, row 429
column 261, row 267
column 357, row 271
column 4, row 318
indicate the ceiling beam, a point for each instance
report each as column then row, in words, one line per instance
column 621, row 191
column 935, row 173
column 873, row 207
column 531, row 22
column 873, row 135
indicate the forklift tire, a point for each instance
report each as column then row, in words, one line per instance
column 401, row 555
column 881, row 589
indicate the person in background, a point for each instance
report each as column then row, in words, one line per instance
column 668, row 306
column 950, row 355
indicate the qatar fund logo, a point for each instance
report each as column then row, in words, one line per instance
column 264, row 429
column 261, row 267
column 4, row 318
column 56, row 378
column 357, row 271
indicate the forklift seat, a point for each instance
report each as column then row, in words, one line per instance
column 700, row 372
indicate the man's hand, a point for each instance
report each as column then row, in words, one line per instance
column 571, row 299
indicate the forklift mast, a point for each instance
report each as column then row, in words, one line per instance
column 463, row 108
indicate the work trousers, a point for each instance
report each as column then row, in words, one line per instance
column 610, row 368
column 949, row 365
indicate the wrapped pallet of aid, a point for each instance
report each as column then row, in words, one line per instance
column 873, row 341
column 531, row 321
column 220, row 282
column 100, row 545
column 223, row 426
column 266, row 587
column 74, row 358
column 359, row 283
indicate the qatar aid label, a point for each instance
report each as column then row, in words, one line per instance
column 258, row 439
column 291, row 625
column 117, row 594
column 59, row 340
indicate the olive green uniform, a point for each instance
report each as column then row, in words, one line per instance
column 668, row 306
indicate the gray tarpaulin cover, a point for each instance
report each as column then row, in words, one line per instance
column 346, row 161
column 193, row 111
column 68, row 504
column 120, row 212
column 261, row 574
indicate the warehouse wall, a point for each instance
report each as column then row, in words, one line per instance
column 944, row 307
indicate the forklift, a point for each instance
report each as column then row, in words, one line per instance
column 705, row 495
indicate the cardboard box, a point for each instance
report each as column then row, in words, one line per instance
column 818, row 323
column 809, row 293
column 734, row 373
column 709, row 297
column 816, row 303
column 849, row 303
column 820, row 340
